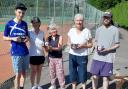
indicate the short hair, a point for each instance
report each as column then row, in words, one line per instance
column 52, row 26
column 35, row 19
column 78, row 15
column 21, row 6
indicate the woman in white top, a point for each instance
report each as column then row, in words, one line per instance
column 79, row 40
column 36, row 52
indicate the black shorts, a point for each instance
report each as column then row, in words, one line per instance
column 37, row 60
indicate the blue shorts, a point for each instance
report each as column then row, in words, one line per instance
column 78, row 68
column 100, row 68
column 20, row 63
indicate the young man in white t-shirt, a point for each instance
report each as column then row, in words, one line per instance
column 79, row 40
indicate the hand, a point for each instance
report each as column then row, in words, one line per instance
column 103, row 52
column 79, row 46
column 50, row 48
column 74, row 46
column 16, row 39
column 25, row 39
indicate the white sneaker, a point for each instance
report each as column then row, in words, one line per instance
column 52, row 87
column 39, row 87
column 34, row 87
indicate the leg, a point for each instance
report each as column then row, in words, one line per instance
column 17, row 80
column 73, row 85
column 82, row 69
column 39, row 69
column 60, row 72
column 25, row 66
column 33, row 74
column 52, row 69
column 73, row 70
column 22, row 79
column 94, row 81
column 107, row 71
column 17, row 67
column 105, row 82
column 84, row 85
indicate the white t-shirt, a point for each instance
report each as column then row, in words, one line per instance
column 36, row 43
column 81, row 38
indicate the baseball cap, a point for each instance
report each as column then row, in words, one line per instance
column 20, row 6
column 107, row 14
column 35, row 19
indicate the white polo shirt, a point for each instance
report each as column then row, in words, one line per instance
column 81, row 38
column 36, row 43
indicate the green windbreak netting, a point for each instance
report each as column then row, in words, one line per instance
column 61, row 11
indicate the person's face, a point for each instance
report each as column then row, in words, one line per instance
column 53, row 31
column 79, row 22
column 19, row 14
column 106, row 21
column 36, row 25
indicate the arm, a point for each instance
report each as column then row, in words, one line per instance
column 89, row 44
column 114, row 47
column 27, row 37
column 69, row 42
column 7, row 38
column 17, row 39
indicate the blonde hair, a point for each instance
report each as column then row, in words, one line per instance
column 52, row 26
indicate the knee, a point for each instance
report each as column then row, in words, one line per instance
column 33, row 71
column 94, row 77
column 105, row 78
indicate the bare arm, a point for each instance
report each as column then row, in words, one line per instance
column 89, row 44
column 117, row 45
column 69, row 41
column 7, row 38
column 17, row 39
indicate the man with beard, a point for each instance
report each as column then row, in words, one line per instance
column 106, row 43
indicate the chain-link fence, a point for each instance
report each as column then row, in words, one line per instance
column 61, row 10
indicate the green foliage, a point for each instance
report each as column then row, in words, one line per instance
column 120, row 14
column 119, row 9
column 104, row 4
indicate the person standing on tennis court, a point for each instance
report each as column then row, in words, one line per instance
column 79, row 40
column 54, row 48
column 106, row 44
column 16, row 31
column 36, row 52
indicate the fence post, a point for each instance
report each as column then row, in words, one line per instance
column 37, row 7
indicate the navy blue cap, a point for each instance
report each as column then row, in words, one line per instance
column 20, row 6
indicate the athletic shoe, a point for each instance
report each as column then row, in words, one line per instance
column 34, row 87
column 39, row 87
column 52, row 87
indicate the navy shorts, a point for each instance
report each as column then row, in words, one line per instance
column 78, row 68
column 100, row 68
column 37, row 60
